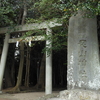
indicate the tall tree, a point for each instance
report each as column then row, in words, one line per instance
column 27, row 66
column 19, row 78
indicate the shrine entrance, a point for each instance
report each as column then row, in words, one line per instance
column 24, row 28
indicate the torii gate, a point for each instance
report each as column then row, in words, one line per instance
column 24, row 28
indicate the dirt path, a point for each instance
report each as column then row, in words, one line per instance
column 24, row 96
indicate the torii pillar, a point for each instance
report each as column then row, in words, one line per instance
column 48, row 80
column 3, row 59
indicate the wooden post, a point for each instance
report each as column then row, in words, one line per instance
column 48, row 85
column 3, row 58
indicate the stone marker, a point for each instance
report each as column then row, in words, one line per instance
column 83, row 53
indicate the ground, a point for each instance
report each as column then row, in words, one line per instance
column 27, row 96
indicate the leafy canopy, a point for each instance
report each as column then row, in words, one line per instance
column 40, row 10
column 48, row 9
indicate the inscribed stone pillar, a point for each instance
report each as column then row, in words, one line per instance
column 3, row 58
column 83, row 54
column 48, row 81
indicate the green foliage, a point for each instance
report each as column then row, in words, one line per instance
column 58, row 8
column 11, row 11
column 59, row 38
column 47, row 10
column 6, row 13
column 41, row 10
column 62, row 8
column 44, row 9
column 73, row 6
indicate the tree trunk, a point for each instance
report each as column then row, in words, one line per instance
column 19, row 78
column 41, row 80
column 7, row 77
column 13, row 72
column 27, row 67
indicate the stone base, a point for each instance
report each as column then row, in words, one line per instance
column 78, row 94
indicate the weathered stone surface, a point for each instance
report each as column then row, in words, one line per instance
column 83, row 55
column 79, row 94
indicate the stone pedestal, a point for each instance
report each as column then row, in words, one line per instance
column 83, row 53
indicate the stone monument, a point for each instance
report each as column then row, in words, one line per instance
column 83, row 53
